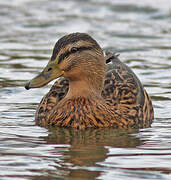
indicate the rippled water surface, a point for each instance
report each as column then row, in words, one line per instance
column 141, row 32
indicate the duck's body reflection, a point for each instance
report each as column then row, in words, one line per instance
column 87, row 148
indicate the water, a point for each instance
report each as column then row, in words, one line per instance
column 141, row 32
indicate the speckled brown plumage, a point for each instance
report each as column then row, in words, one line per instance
column 122, row 103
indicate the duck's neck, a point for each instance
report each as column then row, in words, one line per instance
column 80, row 88
column 88, row 81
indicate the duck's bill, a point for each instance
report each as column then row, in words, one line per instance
column 50, row 73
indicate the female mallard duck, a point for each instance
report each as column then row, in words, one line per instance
column 90, row 93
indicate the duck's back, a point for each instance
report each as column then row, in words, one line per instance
column 122, row 89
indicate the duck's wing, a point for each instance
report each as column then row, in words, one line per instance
column 124, row 91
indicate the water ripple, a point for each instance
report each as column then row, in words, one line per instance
column 140, row 31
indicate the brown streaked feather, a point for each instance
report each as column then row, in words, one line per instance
column 89, row 113
column 122, row 92
column 56, row 93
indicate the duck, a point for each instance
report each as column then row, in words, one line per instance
column 92, row 90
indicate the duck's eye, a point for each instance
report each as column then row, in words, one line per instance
column 49, row 69
column 74, row 49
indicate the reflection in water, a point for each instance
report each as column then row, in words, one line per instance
column 88, row 147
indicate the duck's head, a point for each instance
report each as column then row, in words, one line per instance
column 76, row 56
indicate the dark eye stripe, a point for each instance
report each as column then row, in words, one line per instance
column 68, row 53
